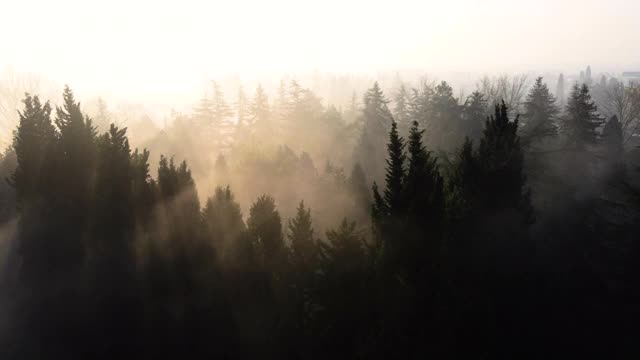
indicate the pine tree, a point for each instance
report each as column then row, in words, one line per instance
column 461, row 184
column 304, row 116
column 76, row 176
column 423, row 185
column 221, row 170
column 540, row 113
column 265, row 229
column 111, row 261
column 491, row 179
column 423, row 228
column 446, row 114
column 345, row 299
column 560, row 91
column 301, row 238
column 360, row 190
column 401, row 107
column 283, row 98
column 242, row 112
column 204, row 114
column 344, row 249
column 488, row 247
column 77, row 138
column 500, row 158
column 221, row 110
column 114, row 198
column 222, row 114
column 389, row 210
column 178, row 193
column 395, row 176
column 282, row 107
column 143, row 187
column 37, row 194
column 474, row 114
column 306, row 168
column 421, row 104
column 8, row 165
column 33, row 143
column 167, row 178
column 223, row 222
column 581, row 118
column 103, row 117
column 260, row 120
column 375, row 120
column 614, row 143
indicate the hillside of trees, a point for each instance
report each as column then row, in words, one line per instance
column 410, row 225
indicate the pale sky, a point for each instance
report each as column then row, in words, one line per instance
column 166, row 47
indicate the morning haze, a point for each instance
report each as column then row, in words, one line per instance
column 316, row 180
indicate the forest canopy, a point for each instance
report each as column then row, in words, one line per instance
column 410, row 223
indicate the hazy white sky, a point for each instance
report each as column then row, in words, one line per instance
column 157, row 46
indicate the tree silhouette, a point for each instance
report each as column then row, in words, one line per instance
column 540, row 114
column 581, row 118
column 474, row 114
column 223, row 221
column 376, row 119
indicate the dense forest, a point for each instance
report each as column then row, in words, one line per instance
column 408, row 223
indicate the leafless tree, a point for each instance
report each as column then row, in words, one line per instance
column 511, row 89
column 13, row 86
column 624, row 102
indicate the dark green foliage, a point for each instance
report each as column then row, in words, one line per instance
column 491, row 179
column 301, row 280
column 474, row 114
column 108, row 262
column 143, row 187
column 500, row 159
column 489, row 248
column 181, row 212
column 345, row 250
column 301, row 239
column 344, row 295
column 540, row 114
column 389, row 209
column 413, row 200
column 32, row 143
column 424, row 186
column 581, row 118
column 114, row 180
column 613, row 141
column 408, row 228
column 394, row 177
column 359, row 189
column 8, row 164
column 223, row 221
column 265, row 228
column 375, row 120
column 446, row 118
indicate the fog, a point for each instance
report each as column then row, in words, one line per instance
column 313, row 180
column 162, row 51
